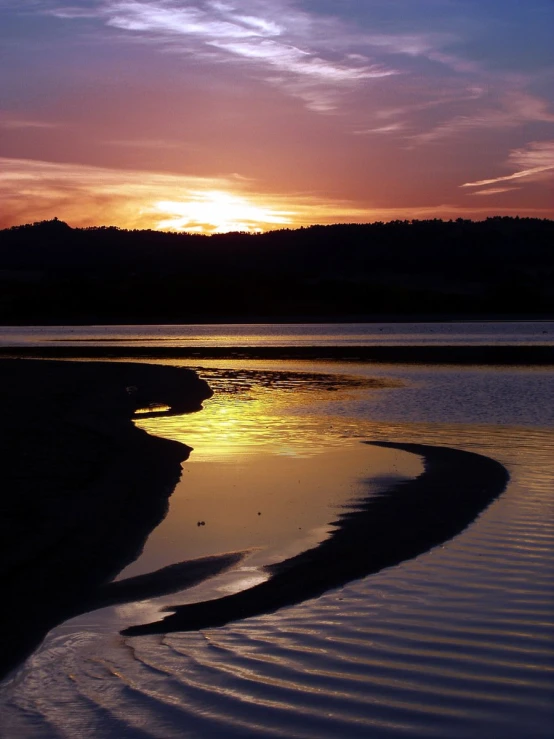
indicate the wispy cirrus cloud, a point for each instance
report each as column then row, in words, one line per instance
column 535, row 162
column 429, row 45
column 304, row 53
column 387, row 129
column 208, row 20
column 416, row 87
column 536, row 154
column 11, row 123
column 510, row 109
column 524, row 173
column 307, row 53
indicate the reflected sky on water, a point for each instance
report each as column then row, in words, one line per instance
column 286, row 334
column 262, row 476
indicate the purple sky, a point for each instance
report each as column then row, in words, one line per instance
column 215, row 115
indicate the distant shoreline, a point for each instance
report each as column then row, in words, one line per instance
column 466, row 355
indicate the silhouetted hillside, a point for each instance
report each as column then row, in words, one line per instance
column 51, row 273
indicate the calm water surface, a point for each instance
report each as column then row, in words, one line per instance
column 456, row 643
column 282, row 334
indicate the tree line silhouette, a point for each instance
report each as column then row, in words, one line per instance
column 51, row 273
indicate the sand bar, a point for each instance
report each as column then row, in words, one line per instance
column 406, row 520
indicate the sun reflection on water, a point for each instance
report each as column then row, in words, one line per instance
column 253, row 412
column 266, row 472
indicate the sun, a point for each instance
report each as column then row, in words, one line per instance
column 215, row 211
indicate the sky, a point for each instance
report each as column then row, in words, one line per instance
column 218, row 115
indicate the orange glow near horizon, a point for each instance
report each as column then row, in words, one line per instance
column 86, row 196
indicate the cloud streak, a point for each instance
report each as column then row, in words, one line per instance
column 538, row 158
column 317, row 57
column 309, row 51
column 511, row 109
column 528, row 173
column 22, row 123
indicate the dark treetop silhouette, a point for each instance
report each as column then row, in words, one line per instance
column 51, row 273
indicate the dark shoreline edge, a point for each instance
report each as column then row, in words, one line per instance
column 465, row 355
column 82, row 489
column 409, row 519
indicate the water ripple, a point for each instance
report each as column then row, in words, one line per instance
column 454, row 644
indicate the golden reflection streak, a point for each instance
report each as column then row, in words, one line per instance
column 250, row 422
column 266, row 472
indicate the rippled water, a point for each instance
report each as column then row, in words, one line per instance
column 456, row 643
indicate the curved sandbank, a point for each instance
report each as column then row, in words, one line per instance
column 82, row 490
column 467, row 355
column 379, row 531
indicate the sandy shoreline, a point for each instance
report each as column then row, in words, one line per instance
column 82, row 488
column 477, row 355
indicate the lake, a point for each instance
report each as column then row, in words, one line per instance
column 454, row 643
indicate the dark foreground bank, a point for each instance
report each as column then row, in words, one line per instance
column 82, row 488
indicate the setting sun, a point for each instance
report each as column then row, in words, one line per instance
column 219, row 212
